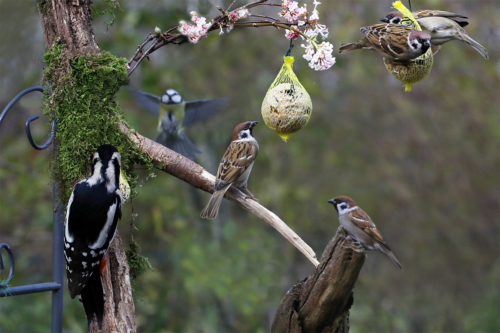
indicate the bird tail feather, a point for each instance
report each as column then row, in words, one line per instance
column 393, row 258
column 92, row 297
column 478, row 47
column 212, row 209
column 180, row 144
column 349, row 47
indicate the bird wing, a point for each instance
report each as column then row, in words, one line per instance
column 436, row 24
column 360, row 219
column 146, row 100
column 431, row 13
column 386, row 37
column 198, row 111
column 90, row 228
column 238, row 157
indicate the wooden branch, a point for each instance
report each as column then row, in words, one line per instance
column 119, row 310
column 321, row 302
column 178, row 166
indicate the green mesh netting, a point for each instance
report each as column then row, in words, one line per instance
column 287, row 106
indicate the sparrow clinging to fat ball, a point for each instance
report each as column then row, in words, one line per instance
column 361, row 227
column 442, row 28
column 393, row 41
column 235, row 167
column 175, row 114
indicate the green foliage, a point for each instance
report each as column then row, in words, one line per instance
column 82, row 98
column 137, row 263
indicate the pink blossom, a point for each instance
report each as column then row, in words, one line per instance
column 293, row 35
column 194, row 32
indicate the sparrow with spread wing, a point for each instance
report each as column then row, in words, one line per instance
column 235, row 167
column 175, row 114
column 442, row 26
column 393, row 41
column 361, row 227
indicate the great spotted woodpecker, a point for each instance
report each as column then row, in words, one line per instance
column 93, row 211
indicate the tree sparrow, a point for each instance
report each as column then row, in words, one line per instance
column 361, row 227
column 393, row 41
column 235, row 167
column 395, row 17
column 441, row 28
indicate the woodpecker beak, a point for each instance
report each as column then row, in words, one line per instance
column 253, row 123
column 332, row 201
column 384, row 19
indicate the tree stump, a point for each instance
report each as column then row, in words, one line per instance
column 321, row 302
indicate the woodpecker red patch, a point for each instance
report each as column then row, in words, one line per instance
column 103, row 264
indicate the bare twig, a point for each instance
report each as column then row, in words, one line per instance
column 139, row 48
column 145, row 54
column 178, row 166
column 220, row 21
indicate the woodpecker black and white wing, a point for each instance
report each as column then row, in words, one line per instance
column 92, row 218
column 199, row 111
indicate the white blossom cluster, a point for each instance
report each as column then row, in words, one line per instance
column 318, row 55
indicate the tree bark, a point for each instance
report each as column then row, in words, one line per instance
column 119, row 310
column 69, row 22
column 321, row 302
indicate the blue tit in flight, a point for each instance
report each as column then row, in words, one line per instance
column 175, row 114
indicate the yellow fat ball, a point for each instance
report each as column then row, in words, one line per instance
column 287, row 106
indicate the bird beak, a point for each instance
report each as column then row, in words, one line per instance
column 332, row 201
column 384, row 19
column 428, row 44
column 253, row 123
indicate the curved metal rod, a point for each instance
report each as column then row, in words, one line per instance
column 30, row 138
column 18, row 97
column 27, row 127
column 11, row 272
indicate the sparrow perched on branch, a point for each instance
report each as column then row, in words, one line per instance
column 361, row 227
column 442, row 28
column 175, row 114
column 92, row 215
column 235, row 167
column 393, row 41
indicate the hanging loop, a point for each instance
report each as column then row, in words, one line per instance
column 289, row 51
column 5, row 283
column 30, row 138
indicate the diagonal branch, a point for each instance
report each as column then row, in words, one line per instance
column 178, row 166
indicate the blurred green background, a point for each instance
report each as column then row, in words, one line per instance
column 424, row 165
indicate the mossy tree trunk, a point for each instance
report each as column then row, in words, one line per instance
column 67, row 24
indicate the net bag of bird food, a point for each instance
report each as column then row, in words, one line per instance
column 287, row 106
column 413, row 70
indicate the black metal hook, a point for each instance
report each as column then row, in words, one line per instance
column 28, row 131
column 5, row 283
column 30, row 138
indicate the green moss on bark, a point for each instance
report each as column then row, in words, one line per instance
column 82, row 98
